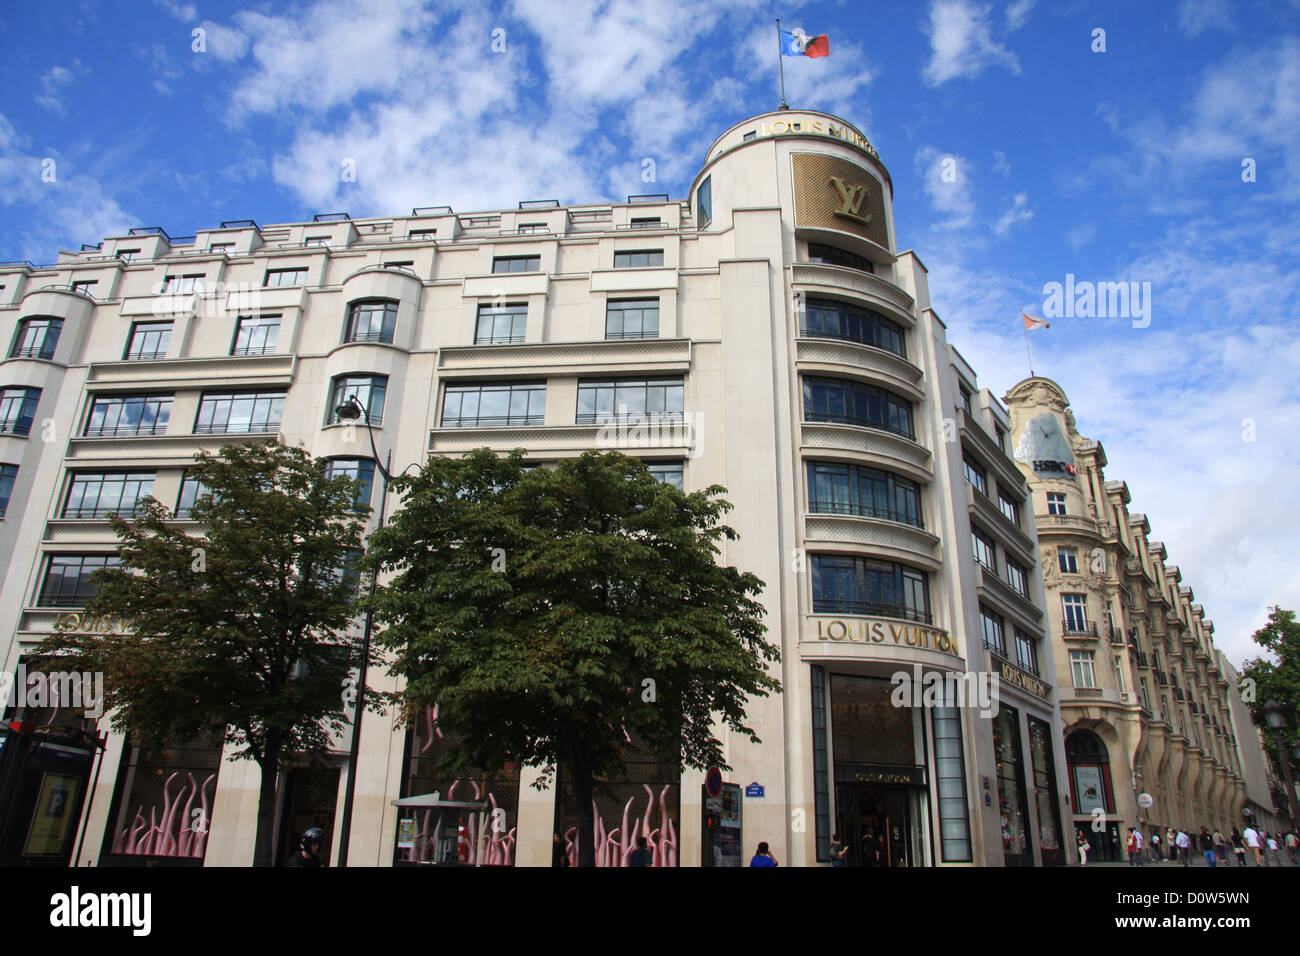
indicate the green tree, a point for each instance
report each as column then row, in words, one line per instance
column 1277, row 679
column 554, row 614
column 242, row 632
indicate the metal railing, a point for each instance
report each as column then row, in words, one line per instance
column 493, row 421
column 836, row 419
column 869, row 609
column 1088, row 628
column 863, row 511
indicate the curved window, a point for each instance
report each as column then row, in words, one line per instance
column 374, row 320
column 850, row 403
column 835, row 320
column 1089, row 772
column 368, row 390
column 840, row 489
column 832, row 256
column 18, row 410
column 37, row 337
column 845, row 584
column 358, row 469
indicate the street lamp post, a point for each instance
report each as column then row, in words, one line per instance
column 351, row 410
column 1273, row 714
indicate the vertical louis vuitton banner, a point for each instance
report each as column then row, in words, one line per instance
column 832, row 193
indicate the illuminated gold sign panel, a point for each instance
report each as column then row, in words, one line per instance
column 832, row 193
column 899, row 633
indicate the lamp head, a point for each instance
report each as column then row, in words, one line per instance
column 349, row 409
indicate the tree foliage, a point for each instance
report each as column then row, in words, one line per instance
column 242, row 631
column 1276, row 679
column 557, row 614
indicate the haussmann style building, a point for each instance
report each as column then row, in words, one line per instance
column 765, row 334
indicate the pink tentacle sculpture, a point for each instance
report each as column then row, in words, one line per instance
column 165, row 845
column 509, row 844
column 451, row 791
column 571, row 845
column 612, row 847
column 119, row 841
column 187, row 834
column 201, row 840
column 668, row 840
column 151, row 835
column 437, row 833
column 625, row 844
column 598, row 834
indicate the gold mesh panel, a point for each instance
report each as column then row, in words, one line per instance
column 821, row 203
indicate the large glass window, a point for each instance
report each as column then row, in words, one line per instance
column 669, row 472
column 67, row 578
column 853, row 324
column 372, row 321
column 129, row 415
column 1055, row 503
column 846, row 584
column 358, row 469
column 191, row 490
column 1083, row 668
column 501, row 324
column 851, row 403
column 285, row 277
column 1075, row 609
column 175, row 285
column 704, row 203
column 604, row 401
column 149, row 340
column 1018, row 578
column 494, row 405
column 8, row 474
column 1067, row 560
column 974, row 474
column 632, row 319
column 950, row 780
column 232, row 412
column 982, row 546
column 101, row 493
column 18, row 410
column 1009, row 507
column 256, row 335
column 835, row 488
column 516, row 264
column 832, row 256
column 992, row 631
column 37, row 337
column 1026, row 653
column 1016, row 845
column 368, row 390
column 638, row 259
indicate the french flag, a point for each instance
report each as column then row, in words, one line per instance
column 798, row 43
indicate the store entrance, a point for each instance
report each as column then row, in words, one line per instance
column 875, row 820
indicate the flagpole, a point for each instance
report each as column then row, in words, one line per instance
column 1028, row 355
column 780, row 65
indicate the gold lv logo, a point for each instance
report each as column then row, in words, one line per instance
column 850, row 200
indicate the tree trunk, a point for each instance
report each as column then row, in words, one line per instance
column 270, row 765
column 580, row 764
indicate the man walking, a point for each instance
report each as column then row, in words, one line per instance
column 1254, row 844
column 1184, row 848
column 1292, row 846
column 1134, row 847
column 1207, row 846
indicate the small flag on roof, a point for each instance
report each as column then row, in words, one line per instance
column 797, row 43
column 1033, row 323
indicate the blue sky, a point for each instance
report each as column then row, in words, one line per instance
column 1122, row 165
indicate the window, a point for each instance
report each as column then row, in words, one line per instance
column 149, row 340
column 501, row 324
column 316, row 241
column 221, row 247
column 67, row 578
column 748, row 136
column 240, row 412
column 983, row 549
column 175, row 285
column 191, row 490
column 965, row 398
column 1026, row 653
column 844, row 584
column 256, row 335
column 632, row 319
column 421, row 233
column 669, row 472
column 1018, row 578
column 368, row 390
column 836, row 320
column 645, row 222
column 991, row 629
column 373, row 320
column 83, row 286
column 661, row 399
column 99, row 494
column 640, row 259
column 1000, row 437
column 8, row 474
column 18, row 410
column 974, row 475
column 1067, row 560
column 831, row 256
column 516, row 264
column 532, row 228
column 1055, row 503
column 1075, row 608
column 129, row 415
column 358, row 469
column 405, row 265
column 1009, row 507
column 128, row 255
column 37, row 337
column 283, row 277
column 704, row 202
column 835, row 488
column 1083, row 669
column 850, row 403
column 486, row 406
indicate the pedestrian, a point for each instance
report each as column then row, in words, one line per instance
column 838, row 850
column 763, row 857
column 1155, row 845
column 1134, row 847
column 1184, row 848
column 1292, row 846
column 1171, row 844
column 1207, row 846
column 1220, row 847
column 1271, row 841
column 559, row 856
column 1254, row 844
column 1084, row 847
column 640, row 856
column 1238, row 846
column 870, row 849
column 308, row 853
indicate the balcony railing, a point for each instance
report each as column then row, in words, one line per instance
column 1116, row 635
column 1080, row 628
column 838, row 419
column 863, row 511
column 1088, row 692
column 114, row 431
column 869, row 609
column 632, row 418
column 129, row 510
column 492, row 421
column 42, row 351
column 624, row 336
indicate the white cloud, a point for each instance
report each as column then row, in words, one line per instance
column 181, row 11
column 1000, row 164
column 1079, row 236
column 1197, row 16
column 53, row 83
column 222, row 42
column 945, row 178
column 961, row 42
column 1018, row 211
column 1018, row 13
